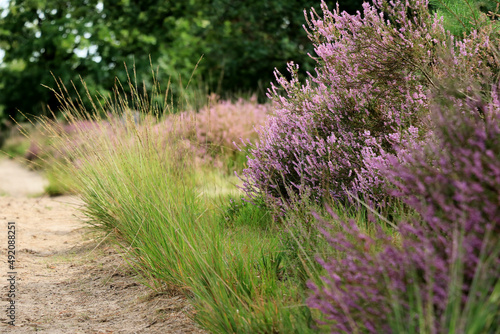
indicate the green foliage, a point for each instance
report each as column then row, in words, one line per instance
column 60, row 182
column 15, row 144
column 239, row 213
column 247, row 40
column 463, row 16
column 39, row 37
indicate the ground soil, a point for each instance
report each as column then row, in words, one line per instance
column 66, row 281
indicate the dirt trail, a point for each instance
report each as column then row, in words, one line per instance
column 65, row 282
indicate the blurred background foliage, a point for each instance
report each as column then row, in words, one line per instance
column 241, row 43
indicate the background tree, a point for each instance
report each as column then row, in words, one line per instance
column 249, row 39
column 39, row 37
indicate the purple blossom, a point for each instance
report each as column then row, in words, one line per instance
column 368, row 95
column 453, row 183
column 217, row 130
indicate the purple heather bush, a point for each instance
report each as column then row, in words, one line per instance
column 367, row 96
column 217, row 130
column 223, row 124
column 453, row 182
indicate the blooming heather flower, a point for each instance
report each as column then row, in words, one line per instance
column 454, row 184
column 218, row 129
column 368, row 94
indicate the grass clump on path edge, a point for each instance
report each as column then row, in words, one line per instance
column 142, row 189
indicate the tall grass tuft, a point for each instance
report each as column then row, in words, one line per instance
column 141, row 189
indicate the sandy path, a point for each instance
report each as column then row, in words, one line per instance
column 64, row 283
column 17, row 181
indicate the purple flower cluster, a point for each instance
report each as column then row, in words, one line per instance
column 214, row 132
column 368, row 95
column 454, row 185
column 455, row 181
column 353, row 294
column 223, row 123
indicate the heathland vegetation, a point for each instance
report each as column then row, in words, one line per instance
column 362, row 198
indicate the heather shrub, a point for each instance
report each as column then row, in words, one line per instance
column 367, row 96
column 455, row 181
column 440, row 273
column 220, row 131
column 223, row 124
